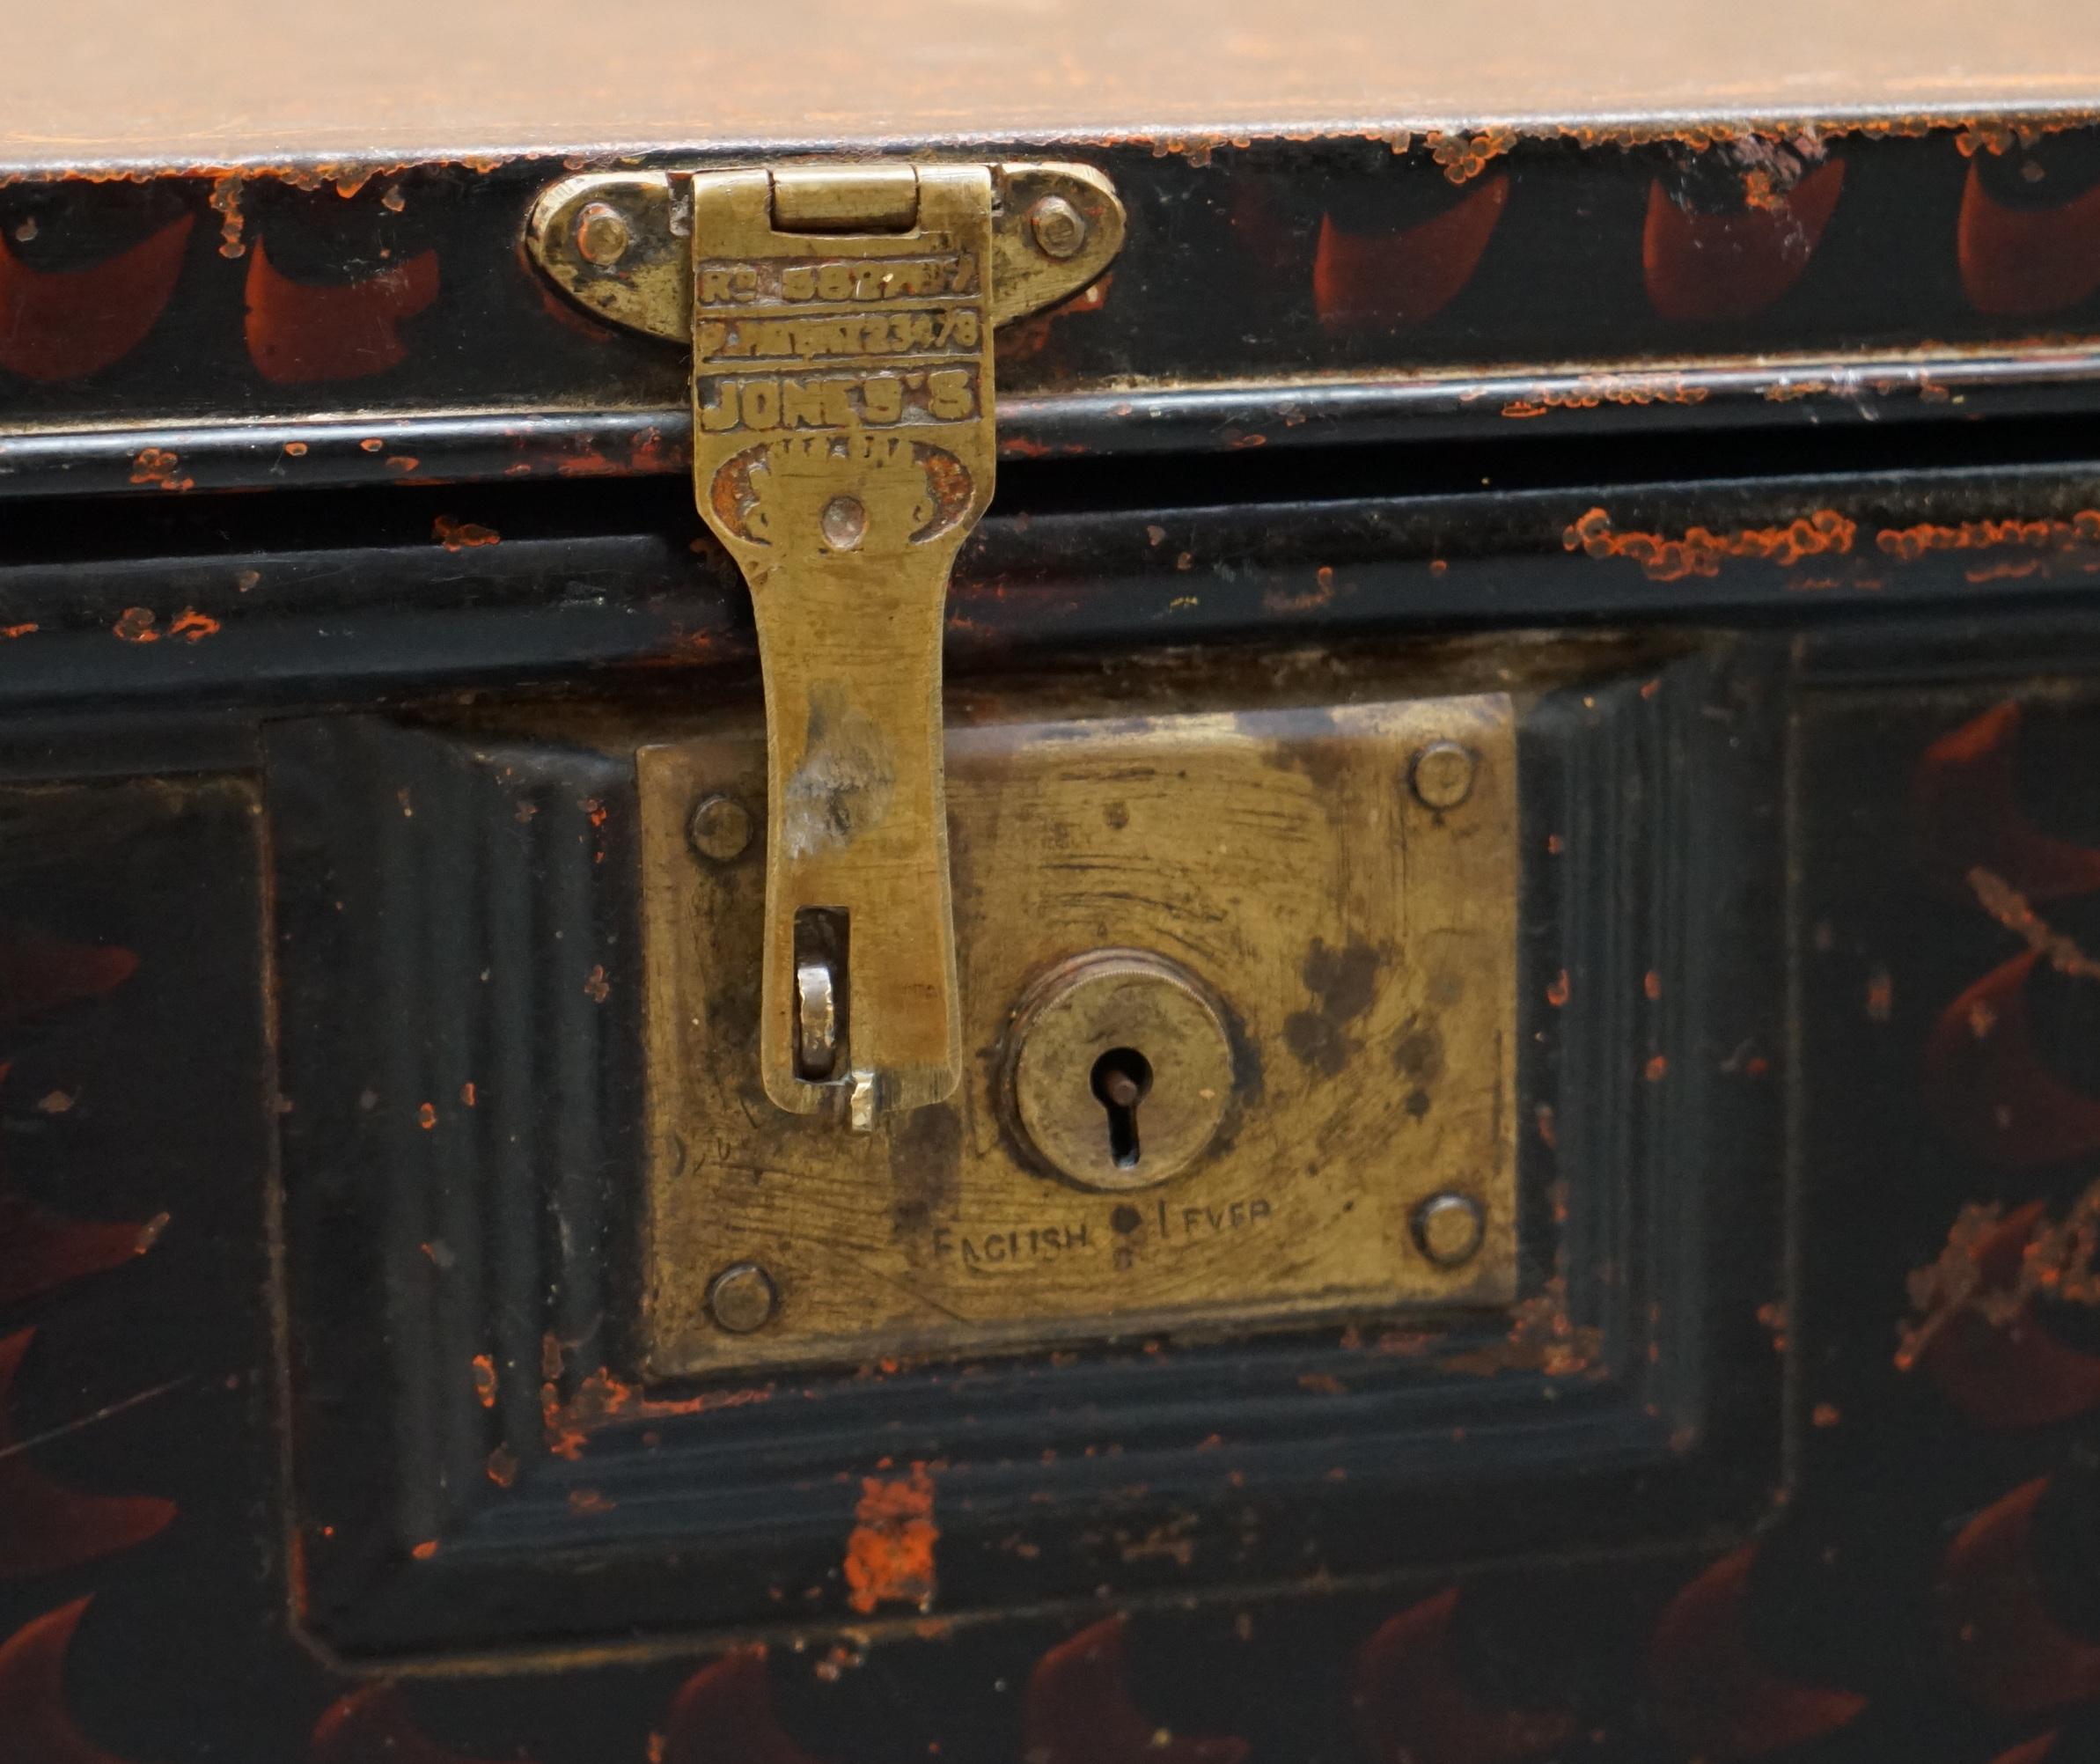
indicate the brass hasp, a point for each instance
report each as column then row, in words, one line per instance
column 840, row 317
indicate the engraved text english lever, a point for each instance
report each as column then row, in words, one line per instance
column 843, row 446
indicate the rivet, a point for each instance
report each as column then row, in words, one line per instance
column 1442, row 775
column 1060, row 228
column 742, row 1298
column 1449, row 1228
column 601, row 234
column 720, row 828
column 845, row 523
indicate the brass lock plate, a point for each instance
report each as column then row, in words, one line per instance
column 1312, row 909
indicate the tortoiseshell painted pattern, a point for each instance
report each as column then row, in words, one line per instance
column 285, row 296
column 1922, row 1576
column 322, row 1433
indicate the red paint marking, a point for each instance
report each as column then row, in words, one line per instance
column 890, row 1554
column 1410, row 1702
column 1263, row 230
column 2033, row 1753
column 723, row 1715
column 45, row 1526
column 193, row 627
column 1967, row 816
column 1388, row 281
column 1733, row 266
column 1995, row 1633
column 601, row 1399
column 226, row 199
column 1078, row 1711
column 300, row 332
column 62, row 324
column 2022, row 263
column 373, row 1726
column 42, row 1251
column 2014, row 1373
column 1989, row 1084
column 1463, row 156
column 1593, row 391
column 39, row 1250
column 1712, row 1694
column 37, row 975
column 2044, row 535
column 33, row 1721
column 1701, row 551
column 459, row 535
column 158, row 467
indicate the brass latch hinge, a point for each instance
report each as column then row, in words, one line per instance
column 840, row 320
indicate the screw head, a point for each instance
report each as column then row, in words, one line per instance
column 720, row 828
column 602, row 235
column 1448, row 1229
column 742, row 1298
column 1059, row 228
column 1442, row 775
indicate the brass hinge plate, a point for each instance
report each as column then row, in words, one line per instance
column 619, row 243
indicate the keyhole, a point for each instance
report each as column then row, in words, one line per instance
column 1120, row 1079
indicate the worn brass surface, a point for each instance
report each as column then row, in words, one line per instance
column 1037, row 261
column 881, row 197
column 840, row 316
column 842, row 450
column 647, row 286
column 1362, row 948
